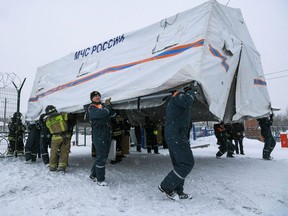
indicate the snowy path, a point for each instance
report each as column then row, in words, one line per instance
column 244, row 185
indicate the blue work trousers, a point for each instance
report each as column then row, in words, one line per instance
column 182, row 160
column 101, row 139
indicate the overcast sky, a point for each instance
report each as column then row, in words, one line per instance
column 36, row 32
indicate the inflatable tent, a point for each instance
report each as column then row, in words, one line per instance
column 209, row 44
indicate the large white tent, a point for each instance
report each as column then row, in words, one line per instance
column 209, row 44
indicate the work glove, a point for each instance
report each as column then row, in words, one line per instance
column 271, row 115
column 191, row 92
column 108, row 102
column 194, row 85
column 187, row 88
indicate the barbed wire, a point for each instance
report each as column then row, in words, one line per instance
column 6, row 79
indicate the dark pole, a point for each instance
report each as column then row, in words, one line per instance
column 18, row 117
column 5, row 106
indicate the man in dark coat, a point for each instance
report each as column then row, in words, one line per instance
column 177, row 124
column 269, row 141
column 45, row 139
column 230, row 137
column 32, row 145
column 118, row 132
column 238, row 129
column 151, row 137
column 100, row 119
column 224, row 137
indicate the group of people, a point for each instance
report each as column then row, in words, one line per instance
column 55, row 129
column 177, row 127
column 226, row 134
column 147, row 135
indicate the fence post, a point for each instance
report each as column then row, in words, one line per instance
column 18, row 112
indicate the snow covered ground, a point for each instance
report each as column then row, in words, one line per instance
column 244, row 185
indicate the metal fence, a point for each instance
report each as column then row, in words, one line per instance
column 8, row 106
column 3, row 143
column 81, row 137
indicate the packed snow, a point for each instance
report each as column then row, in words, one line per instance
column 243, row 185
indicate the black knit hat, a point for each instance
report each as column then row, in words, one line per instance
column 50, row 109
column 94, row 93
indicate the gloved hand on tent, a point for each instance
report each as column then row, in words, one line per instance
column 194, row 85
column 187, row 88
column 108, row 102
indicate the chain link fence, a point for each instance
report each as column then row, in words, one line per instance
column 8, row 106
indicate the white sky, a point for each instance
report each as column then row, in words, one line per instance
column 36, row 32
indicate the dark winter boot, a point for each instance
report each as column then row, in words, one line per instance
column 170, row 194
column 149, row 150
column 138, row 148
column 28, row 156
column 33, row 157
column 230, row 155
column 266, row 154
column 183, row 195
column 219, row 154
column 156, row 150
column 45, row 158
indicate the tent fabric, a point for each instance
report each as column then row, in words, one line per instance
column 205, row 43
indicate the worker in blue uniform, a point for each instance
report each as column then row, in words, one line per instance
column 100, row 119
column 269, row 141
column 177, row 126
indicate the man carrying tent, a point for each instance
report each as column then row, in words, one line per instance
column 100, row 119
column 224, row 137
column 238, row 128
column 60, row 126
column 45, row 139
column 118, row 132
column 32, row 144
column 269, row 141
column 177, row 125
